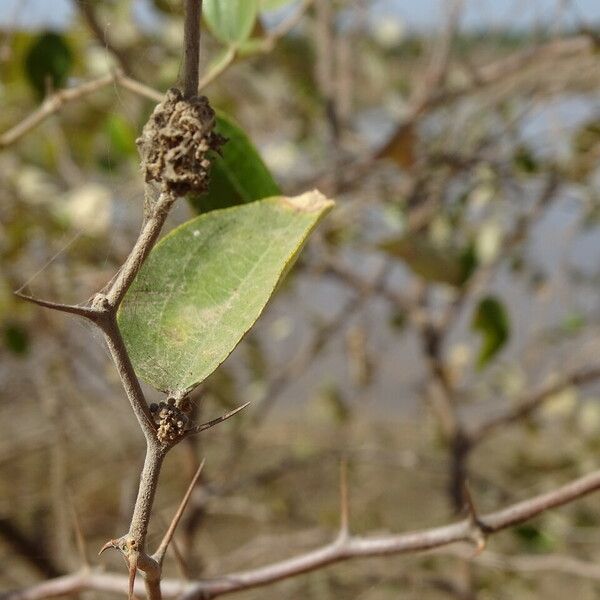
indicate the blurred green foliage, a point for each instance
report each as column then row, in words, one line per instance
column 48, row 63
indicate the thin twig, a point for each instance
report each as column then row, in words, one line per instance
column 159, row 555
column 142, row 247
column 531, row 403
column 139, row 88
column 344, row 502
column 79, row 537
column 53, row 104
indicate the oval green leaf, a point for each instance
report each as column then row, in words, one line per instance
column 207, row 282
column 492, row 323
column 230, row 21
column 239, row 175
column 48, row 63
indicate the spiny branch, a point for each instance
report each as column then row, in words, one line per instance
column 80, row 311
column 354, row 547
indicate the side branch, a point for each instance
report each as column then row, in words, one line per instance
column 363, row 547
column 530, row 404
column 344, row 548
column 52, row 104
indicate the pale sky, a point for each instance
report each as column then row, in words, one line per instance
column 421, row 14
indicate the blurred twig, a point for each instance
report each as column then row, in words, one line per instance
column 55, row 102
column 342, row 549
column 87, row 11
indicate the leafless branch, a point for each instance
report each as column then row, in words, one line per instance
column 55, row 102
column 349, row 548
column 531, row 403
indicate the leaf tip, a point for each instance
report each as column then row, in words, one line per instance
column 313, row 201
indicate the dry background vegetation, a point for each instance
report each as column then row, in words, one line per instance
column 474, row 151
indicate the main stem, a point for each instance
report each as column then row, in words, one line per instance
column 120, row 356
column 140, row 520
column 191, row 45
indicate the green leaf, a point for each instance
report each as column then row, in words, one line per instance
column 207, row 282
column 121, row 141
column 534, row 539
column 525, row 161
column 239, row 175
column 492, row 322
column 432, row 262
column 231, row 21
column 16, row 338
column 48, row 63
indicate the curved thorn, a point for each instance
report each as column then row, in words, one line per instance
column 210, row 424
column 109, row 544
column 80, row 311
column 132, row 574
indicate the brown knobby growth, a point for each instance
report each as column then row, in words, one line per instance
column 176, row 144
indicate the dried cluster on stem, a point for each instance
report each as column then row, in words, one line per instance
column 176, row 144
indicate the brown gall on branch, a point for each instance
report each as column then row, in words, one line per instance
column 176, row 144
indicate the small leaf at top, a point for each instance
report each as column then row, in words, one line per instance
column 48, row 63
column 239, row 175
column 230, row 21
column 207, row 282
column 492, row 323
